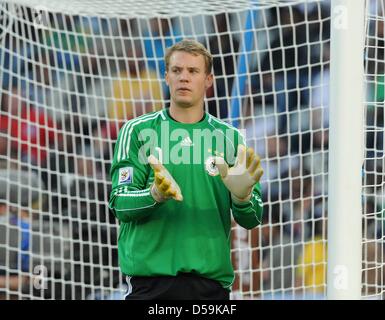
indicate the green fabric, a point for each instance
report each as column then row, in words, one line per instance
column 376, row 90
column 171, row 237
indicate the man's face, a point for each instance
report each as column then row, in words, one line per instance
column 187, row 79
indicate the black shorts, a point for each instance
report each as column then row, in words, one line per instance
column 184, row 286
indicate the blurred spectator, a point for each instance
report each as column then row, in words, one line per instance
column 311, row 264
column 82, row 201
column 136, row 90
column 8, row 157
column 67, row 40
column 373, row 270
column 320, row 100
column 288, row 59
column 31, row 130
column 12, row 62
column 262, row 134
column 10, row 248
column 160, row 34
column 280, row 252
column 19, row 195
column 95, row 85
column 246, row 262
column 297, row 207
column 375, row 46
column 374, row 113
column 374, row 198
column 53, row 87
column 276, row 164
column 102, row 146
column 223, row 46
column 316, row 163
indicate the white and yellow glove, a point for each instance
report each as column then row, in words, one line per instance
column 241, row 178
column 164, row 186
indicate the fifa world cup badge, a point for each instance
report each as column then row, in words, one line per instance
column 125, row 175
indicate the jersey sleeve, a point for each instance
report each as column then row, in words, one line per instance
column 130, row 197
column 248, row 214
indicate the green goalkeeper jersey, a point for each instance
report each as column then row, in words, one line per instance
column 193, row 235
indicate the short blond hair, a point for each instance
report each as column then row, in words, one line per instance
column 193, row 47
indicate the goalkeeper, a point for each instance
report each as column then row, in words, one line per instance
column 175, row 216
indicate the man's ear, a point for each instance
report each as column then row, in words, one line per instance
column 209, row 80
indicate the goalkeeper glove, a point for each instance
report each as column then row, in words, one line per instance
column 241, row 178
column 164, row 186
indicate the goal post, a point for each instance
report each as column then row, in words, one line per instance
column 72, row 72
column 346, row 153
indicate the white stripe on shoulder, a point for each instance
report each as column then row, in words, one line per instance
column 124, row 145
column 128, row 130
column 230, row 127
column 225, row 124
column 124, row 130
column 162, row 114
column 154, row 116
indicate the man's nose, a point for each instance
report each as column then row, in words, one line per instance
column 184, row 76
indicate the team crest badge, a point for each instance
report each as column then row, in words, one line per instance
column 210, row 166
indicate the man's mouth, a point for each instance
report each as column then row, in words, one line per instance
column 184, row 89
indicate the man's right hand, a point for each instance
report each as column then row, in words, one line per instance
column 164, row 186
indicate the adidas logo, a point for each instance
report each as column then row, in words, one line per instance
column 186, row 142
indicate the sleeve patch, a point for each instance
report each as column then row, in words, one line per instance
column 125, row 175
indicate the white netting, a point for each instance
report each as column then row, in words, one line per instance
column 150, row 9
column 373, row 275
column 72, row 72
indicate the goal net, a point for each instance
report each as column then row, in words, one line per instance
column 373, row 192
column 72, row 72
